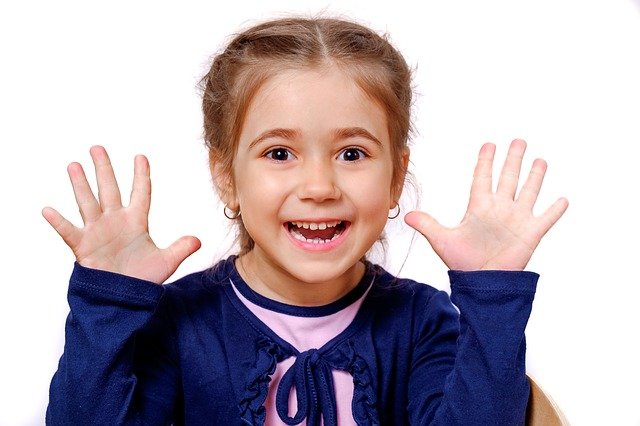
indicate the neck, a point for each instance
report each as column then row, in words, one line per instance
column 274, row 282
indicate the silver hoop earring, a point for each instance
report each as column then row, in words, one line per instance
column 397, row 213
column 234, row 215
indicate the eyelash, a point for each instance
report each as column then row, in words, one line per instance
column 270, row 154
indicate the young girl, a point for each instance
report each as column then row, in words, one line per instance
column 307, row 122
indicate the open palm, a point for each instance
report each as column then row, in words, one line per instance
column 499, row 230
column 116, row 238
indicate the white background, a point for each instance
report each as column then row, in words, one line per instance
column 564, row 75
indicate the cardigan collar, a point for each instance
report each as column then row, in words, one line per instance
column 300, row 311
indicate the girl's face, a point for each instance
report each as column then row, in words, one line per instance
column 312, row 176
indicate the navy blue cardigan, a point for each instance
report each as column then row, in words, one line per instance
column 191, row 353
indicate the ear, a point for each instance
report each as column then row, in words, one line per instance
column 396, row 190
column 223, row 182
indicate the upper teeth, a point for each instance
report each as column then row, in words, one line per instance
column 316, row 225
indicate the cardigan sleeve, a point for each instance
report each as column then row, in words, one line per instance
column 117, row 367
column 470, row 369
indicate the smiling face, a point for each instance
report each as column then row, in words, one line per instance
column 312, row 177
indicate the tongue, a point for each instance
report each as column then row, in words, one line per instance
column 323, row 234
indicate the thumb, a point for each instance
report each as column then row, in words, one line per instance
column 425, row 224
column 182, row 248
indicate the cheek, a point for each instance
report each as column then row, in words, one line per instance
column 260, row 197
column 372, row 194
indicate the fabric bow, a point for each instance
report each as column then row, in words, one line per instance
column 312, row 379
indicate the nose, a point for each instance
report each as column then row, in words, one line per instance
column 318, row 181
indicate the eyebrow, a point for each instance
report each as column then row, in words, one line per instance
column 352, row 132
column 275, row 133
column 341, row 133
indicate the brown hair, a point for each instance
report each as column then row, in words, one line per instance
column 262, row 51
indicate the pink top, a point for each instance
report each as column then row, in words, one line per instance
column 304, row 333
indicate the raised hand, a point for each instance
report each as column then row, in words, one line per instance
column 498, row 230
column 116, row 238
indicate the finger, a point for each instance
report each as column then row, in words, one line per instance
column 426, row 225
column 108, row 191
column 178, row 251
column 62, row 226
column 141, row 190
column 554, row 213
column 87, row 203
column 482, row 175
column 531, row 188
column 510, row 174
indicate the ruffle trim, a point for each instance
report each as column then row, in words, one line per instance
column 364, row 404
column 269, row 354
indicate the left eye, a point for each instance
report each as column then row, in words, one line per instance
column 279, row 154
column 352, row 154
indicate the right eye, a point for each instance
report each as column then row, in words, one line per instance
column 279, row 154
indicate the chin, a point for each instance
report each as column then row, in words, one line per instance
column 320, row 271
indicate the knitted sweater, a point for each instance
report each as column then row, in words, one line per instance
column 192, row 353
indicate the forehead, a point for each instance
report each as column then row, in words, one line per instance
column 314, row 101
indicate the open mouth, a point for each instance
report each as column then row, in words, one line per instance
column 317, row 232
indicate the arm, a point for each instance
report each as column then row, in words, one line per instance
column 118, row 366
column 471, row 369
column 112, row 318
column 485, row 382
